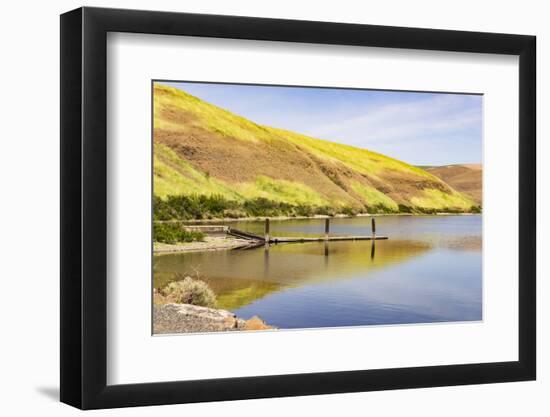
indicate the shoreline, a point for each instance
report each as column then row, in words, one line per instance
column 318, row 217
column 218, row 242
column 210, row 243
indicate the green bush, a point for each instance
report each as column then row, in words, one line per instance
column 304, row 211
column 424, row 210
column 348, row 211
column 190, row 291
column 234, row 214
column 475, row 209
column 173, row 233
column 405, row 209
column 380, row 209
column 188, row 207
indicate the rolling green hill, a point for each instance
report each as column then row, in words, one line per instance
column 203, row 150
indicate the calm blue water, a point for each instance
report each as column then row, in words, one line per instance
column 430, row 270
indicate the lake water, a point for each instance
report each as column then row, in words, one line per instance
column 430, row 270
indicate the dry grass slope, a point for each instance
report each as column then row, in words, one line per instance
column 466, row 178
column 203, row 149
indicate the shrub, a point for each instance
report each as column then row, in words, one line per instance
column 233, row 214
column 173, row 233
column 304, row 211
column 325, row 211
column 475, row 209
column 379, row 209
column 187, row 207
column 190, row 291
column 404, row 208
column 424, row 210
column 263, row 207
column 348, row 211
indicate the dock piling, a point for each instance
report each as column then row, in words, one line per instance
column 327, row 227
column 373, row 227
column 266, row 231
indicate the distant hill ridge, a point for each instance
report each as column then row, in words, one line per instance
column 201, row 149
column 466, row 178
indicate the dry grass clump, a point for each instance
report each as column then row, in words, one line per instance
column 190, row 291
column 158, row 298
column 256, row 323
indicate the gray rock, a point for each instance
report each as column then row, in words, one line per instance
column 186, row 318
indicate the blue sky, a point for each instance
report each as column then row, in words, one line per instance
column 418, row 128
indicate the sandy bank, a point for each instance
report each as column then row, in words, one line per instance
column 210, row 243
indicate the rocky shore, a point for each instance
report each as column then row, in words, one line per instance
column 185, row 318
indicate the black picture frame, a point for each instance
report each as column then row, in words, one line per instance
column 84, row 207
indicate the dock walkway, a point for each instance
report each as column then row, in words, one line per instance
column 267, row 238
column 322, row 239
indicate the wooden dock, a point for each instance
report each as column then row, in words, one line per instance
column 323, row 239
column 267, row 238
column 244, row 235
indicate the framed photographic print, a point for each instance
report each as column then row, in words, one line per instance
column 256, row 208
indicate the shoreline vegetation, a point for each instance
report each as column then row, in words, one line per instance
column 189, row 306
column 199, row 207
column 317, row 216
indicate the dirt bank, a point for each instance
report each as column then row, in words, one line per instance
column 210, row 243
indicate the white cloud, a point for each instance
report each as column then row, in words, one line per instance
column 440, row 115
